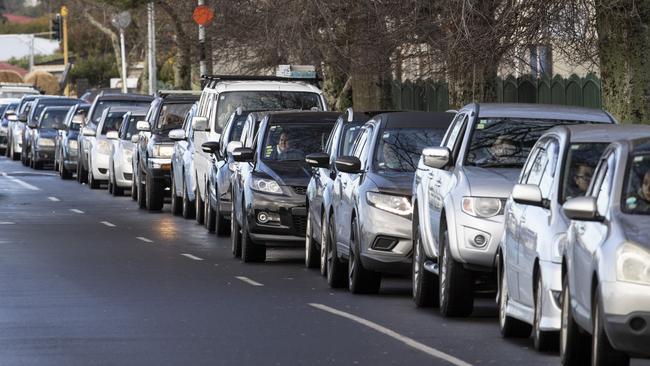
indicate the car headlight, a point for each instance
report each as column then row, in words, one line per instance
column 163, row 151
column 482, row 206
column 128, row 155
column 73, row 144
column 398, row 205
column 104, row 147
column 266, row 185
column 633, row 264
column 45, row 142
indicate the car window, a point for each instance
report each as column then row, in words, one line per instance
column 112, row 122
column 636, row 197
column 538, row 167
column 172, row 116
column 349, row 133
column 282, row 142
column 131, row 127
column 579, row 165
column 102, row 105
column 399, row 149
column 525, row 173
column 360, row 142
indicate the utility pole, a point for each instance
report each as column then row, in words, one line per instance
column 203, row 66
column 121, row 21
column 64, row 16
column 31, row 52
column 151, row 48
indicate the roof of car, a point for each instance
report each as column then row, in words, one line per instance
column 258, row 85
column 541, row 111
column 9, row 100
column 415, row 119
column 124, row 96
column 179, row 98
column 590, row 132
column 124, row 109
column 303, row 116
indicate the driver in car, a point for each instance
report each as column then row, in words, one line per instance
column 284, row 151
column 640, row 200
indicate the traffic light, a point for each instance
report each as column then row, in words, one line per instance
column 57, row 27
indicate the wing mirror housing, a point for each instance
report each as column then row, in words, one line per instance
column 210, row 147
column 22, row 117
column 143, row 126
column 135, row 139
column 112, row 135
column 436, row 157
column 87, row 131
column 11, row 115
column 582, row 209
column 529, row 194
column 200, row 123
column 232, row 145
column 318, row 160
column 177, row 134
column 32, row 124
column 243, row 155
column 78, row 119
column 348, row 164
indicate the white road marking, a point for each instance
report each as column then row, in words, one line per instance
column 142, row 238
column 108, row 224
column 406, row 340
column 7, row 223
column 248, row 281
column 53, row 199
column 21, row 182
column 76, row 210
column 193, row 257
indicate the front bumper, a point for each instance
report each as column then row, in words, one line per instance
column 44, row 155
column 100, row 164
column 387, row 243
column 292, row 212
column 627, row 316
column 467, row 230
column 123, row 174
column 552, row 281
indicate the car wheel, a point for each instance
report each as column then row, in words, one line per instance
column 336, row 269
column 188, row 206
column 222, row 226
column 63, row 172
column 82, row 174
column 542, row 340
column 110, row 184
column 235, row 236
column 311, row 251
column 456, row 290
column 92, row 182
column 250, row 252
column 154, row 195
column 574, row 343
column 324, row 239
column 509, row 326
column 602, row 352
column 360, row 280
column 142, row 199
column 134, row 188
column 210, row 217
column 14, row 155
column 38, row 165
column 425, row 286
column 177, row 203
column 198, row 206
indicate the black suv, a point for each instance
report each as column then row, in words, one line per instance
column 269, row 189
column 153, row 152
column 103, row 101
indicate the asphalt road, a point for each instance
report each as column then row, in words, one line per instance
column 88, row 279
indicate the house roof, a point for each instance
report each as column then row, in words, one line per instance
column 8, row 66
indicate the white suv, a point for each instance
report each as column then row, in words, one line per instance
column 222, row 95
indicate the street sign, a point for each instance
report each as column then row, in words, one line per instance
column 121, row 20
column 203, row 15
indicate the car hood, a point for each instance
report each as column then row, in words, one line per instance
column 493, row 182
column 287, row 173
column 636, row 229
column 393, row 183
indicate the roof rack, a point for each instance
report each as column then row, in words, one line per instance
column 210, row 81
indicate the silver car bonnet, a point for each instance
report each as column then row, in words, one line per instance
column 491, row 182
column 394, row 183
column 636, row 228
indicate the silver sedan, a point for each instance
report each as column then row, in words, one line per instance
column 120, row 169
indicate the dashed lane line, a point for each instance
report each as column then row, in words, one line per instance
column 108, row 223
column 76, row 210
column 248, row 281
column 192, row 257
column 142, row 238
column 391, row 333
column 53, row 199
column 20, row 182
column 7, row 223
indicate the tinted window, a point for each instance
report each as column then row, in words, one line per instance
column 348, row 135
column 112, row 122
column 399, row 150
column 236, row 129
column 579, row 166
column 264, row 100
column 3, row 108
column 505, row 142
column 53, row 118
column 172, row 115
column 293, row 141
column 636, row 197
column 103, row 104
column 51, row 102
column 130, row 128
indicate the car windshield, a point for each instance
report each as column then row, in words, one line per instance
column 130, row 128
column 103, row 104
column 399, row 149
column 172, row 115
column 636, row 197
column 579, row 165
column 506, row 142
column 53, row 119
column 264, row 100
column 236, row 129
column 51, row 102
column 112, row 122
column 292, row 141
column 349, row 134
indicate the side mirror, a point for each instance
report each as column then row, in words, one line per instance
column 143, row 126
column 32, row 124
column 582, row 208
column 436, row 157
column 200, row 124
column 78, row 119
column 135, row 139
column 528, row 194
column 177, row 134
column 22, row 117
column 210, row 147
column 243, row 154
column 112, row 135
column 232, row 145
column 318, row 160
column 12, row 117
column 87, row 131
column 348, row 164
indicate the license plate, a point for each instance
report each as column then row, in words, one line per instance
column 166, row 166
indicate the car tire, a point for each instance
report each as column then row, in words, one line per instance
column 82, row 174
column 222, row 226
column 198, row 207
column 235, row 236
column 574, row 343
column 455, row 282
column 134, row 188
column 14, row 155
column 116, row 190
column 188, row 206
column 542, row 340
column 336, row 269
column 360, row 279
column 509, row 326
column 177, row 202
column 64, row 173
column 154, row 195
column 92, row 182
column 250, row 252
column 602, row 351
column 324, row 238
column 142, row 199
column 425, row 284
column 312, row 255
column 38, row 165
column 210, row 217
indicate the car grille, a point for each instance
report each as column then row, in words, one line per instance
column 299, row 189
column 102, row 171
column 128, row 176
column 299, row 225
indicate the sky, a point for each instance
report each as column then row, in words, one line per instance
column 17, row 45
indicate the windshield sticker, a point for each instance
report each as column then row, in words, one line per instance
column 480, row 126
column 631, row 202
column 639, row 159
column 386, row 135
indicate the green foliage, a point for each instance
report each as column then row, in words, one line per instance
column 37, row 26
column 24, row 61
column 97, row 69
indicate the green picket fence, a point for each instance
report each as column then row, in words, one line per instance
column 430, row 95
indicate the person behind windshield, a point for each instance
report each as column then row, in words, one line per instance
column 284, row 150
column 502, row 151
column 640, row 200
column 580, row 179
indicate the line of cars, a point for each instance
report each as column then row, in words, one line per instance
column 542, row 207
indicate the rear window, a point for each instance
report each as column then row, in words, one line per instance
column 172, row 115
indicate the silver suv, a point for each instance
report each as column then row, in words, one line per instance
column 460, row 191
